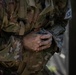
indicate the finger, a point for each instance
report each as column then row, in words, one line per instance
column 46, row 42
column 46, row 36
column 44, row 47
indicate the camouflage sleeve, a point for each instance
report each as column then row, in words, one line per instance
column 10, row 22
column 61, row 19
column 10, row 35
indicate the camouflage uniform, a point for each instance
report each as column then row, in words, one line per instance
column 17, row 19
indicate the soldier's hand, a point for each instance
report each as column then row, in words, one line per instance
column 46, row 41
column 37, row 42
column 32, row 41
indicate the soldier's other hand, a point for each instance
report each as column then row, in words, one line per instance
column 37, row 42
column 46, row 41
column 31, row 41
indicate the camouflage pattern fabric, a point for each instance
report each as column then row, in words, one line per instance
column 12, row 51
column 18, row 18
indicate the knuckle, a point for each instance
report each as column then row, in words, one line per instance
column 39, row 41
